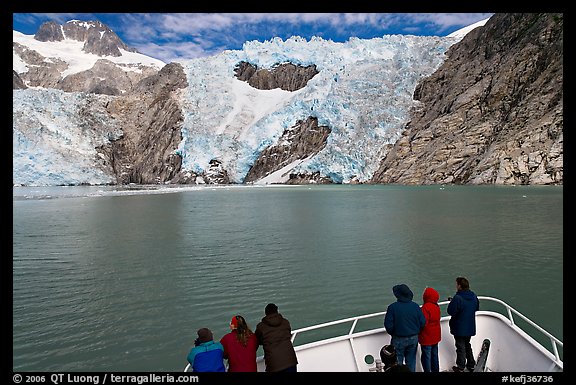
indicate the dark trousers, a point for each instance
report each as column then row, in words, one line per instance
column 464, row 354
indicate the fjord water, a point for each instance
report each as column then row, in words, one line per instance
column 108, row 281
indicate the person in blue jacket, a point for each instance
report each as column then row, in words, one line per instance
column 462, row 309
column 403, row 321
column 207, row 355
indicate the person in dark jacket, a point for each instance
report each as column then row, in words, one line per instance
column 462, row 309
column 206, row 355
column 274, row 333
column 403, row 321
column 431, row 333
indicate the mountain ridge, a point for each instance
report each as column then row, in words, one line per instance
column 200, row 121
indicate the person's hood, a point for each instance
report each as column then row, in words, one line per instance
column 273, row 319
column 403, row 293
column 430, row 295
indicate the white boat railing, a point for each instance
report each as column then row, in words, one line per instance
column 354, row 321
column 510, row 312
column 554, row 342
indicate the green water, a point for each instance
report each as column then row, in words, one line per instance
column 122, row 282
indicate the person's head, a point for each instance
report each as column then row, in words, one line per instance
column 243, row 331
column 270, row 309
column 238, row 323
column 430, row 295
column 388, row 355
column 204, row 335
column 402, row 292
column 462, row 283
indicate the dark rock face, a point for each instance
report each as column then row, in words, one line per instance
column 216, row 173
column 170, row 78
column 311, row 178
column 304, row 139
column 103, row 88
column 492, row 113
column 49, row 31
column 151, row 119
column 287, row 76
column 17, row 83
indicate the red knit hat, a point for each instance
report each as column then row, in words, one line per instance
column 234, row 322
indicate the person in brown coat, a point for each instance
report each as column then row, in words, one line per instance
column 275, row 335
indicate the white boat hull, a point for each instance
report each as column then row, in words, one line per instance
column 511, row 349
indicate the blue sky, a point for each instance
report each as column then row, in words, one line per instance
column 171, row 36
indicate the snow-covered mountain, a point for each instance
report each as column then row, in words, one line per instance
column 293, row 111
column 84, row 56
column 71, row 52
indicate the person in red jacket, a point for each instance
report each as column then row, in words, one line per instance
column 240, row 346
column 431, row 333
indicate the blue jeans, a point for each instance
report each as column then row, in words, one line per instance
column 406, row 348
column 429, row 358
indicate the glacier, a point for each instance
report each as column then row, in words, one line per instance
column 53, row 142
column 363, row 93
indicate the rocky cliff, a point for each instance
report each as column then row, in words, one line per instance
column 304, row 139
column 492, row 113
column 17, row 82
column 286, row 76
column 151, row 119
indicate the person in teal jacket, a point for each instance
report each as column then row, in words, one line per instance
column 207, row 355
